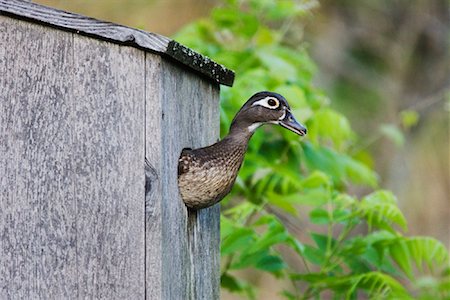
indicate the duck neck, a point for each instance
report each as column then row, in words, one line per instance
column 241, row 133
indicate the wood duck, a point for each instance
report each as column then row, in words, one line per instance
column 206, row 175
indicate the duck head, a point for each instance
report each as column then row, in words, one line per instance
column 266, row 108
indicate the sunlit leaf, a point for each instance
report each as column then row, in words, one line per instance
column 409, row 118
column 381, row 210
column 393, row 133
column 271, row 263
column 323, row 242
column 399, row 252
column 319, row 216
column 328, row 124
column 265, row 242
column 313, row 197
column 238, row 240
column 282, row 202
column 295, row 244
column 316, row 179
column 340, row 167
column 226, row 227
column 314, row 255
column 423, row 251
column 377, row 285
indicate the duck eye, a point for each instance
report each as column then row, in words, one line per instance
column 272, row 102
column 268, row 102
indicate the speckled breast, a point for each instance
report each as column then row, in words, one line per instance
column 209, row 174
column 205, row 187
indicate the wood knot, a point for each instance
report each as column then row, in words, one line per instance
column 151, row 178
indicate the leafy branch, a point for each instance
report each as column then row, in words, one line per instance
column 355, row 244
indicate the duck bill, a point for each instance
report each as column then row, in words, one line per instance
column 291, row 123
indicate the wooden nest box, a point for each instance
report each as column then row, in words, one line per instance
column 82, row 103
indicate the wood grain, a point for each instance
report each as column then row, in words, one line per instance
column 109, row 172
column 37, row 208
column 154, row 198
column 187, row 242
column 72, row 184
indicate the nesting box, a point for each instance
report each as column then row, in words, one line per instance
column 82, row 104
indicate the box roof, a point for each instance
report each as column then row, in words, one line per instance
column 119, row 34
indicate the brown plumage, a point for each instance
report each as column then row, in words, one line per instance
column 206, row 175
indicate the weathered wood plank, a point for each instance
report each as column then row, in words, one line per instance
column 37, row 209
column 204, row 237
column 72, row 184
column 189, row 242
column 153, row 152
column 197, row 112
column 118, row 34
column 109, row 172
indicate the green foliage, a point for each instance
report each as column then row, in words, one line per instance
column 357, row 246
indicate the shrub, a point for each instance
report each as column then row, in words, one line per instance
column 357, row 245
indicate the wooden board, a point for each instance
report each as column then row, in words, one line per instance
column 154, row 174
column 72, row 184
column 108, row 149
column 188, row 241
column 37, row 207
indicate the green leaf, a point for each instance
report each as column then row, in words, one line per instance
column 314, row 255
column 339, row 167
column 226, row 227
column 392, row 132
column 288, row 295
column 238, row 240
column 359, row 173
column 399, row 252
column 381, row 211
column 309, row 277
column 247, row 260
column 265, row 220
column 271, row 263
column 344, row 200
column 280, row 68
column 296, row 245
column 295, row 95
column 269, row 239
column 342, row 215
column 313, row 197
column 264, row 37
column 377, row 285
column 409, row 118
column 322, row 241
column 233, row 284
column 241, row 212
column 421, row 250
column 380, row 236
column 283, row 202
column 329, row 124
column 316, row 179
column 319, row 216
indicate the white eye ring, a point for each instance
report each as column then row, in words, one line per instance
column 268, row 102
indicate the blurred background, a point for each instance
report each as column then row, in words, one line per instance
column 377, row 60
column 385, row 65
